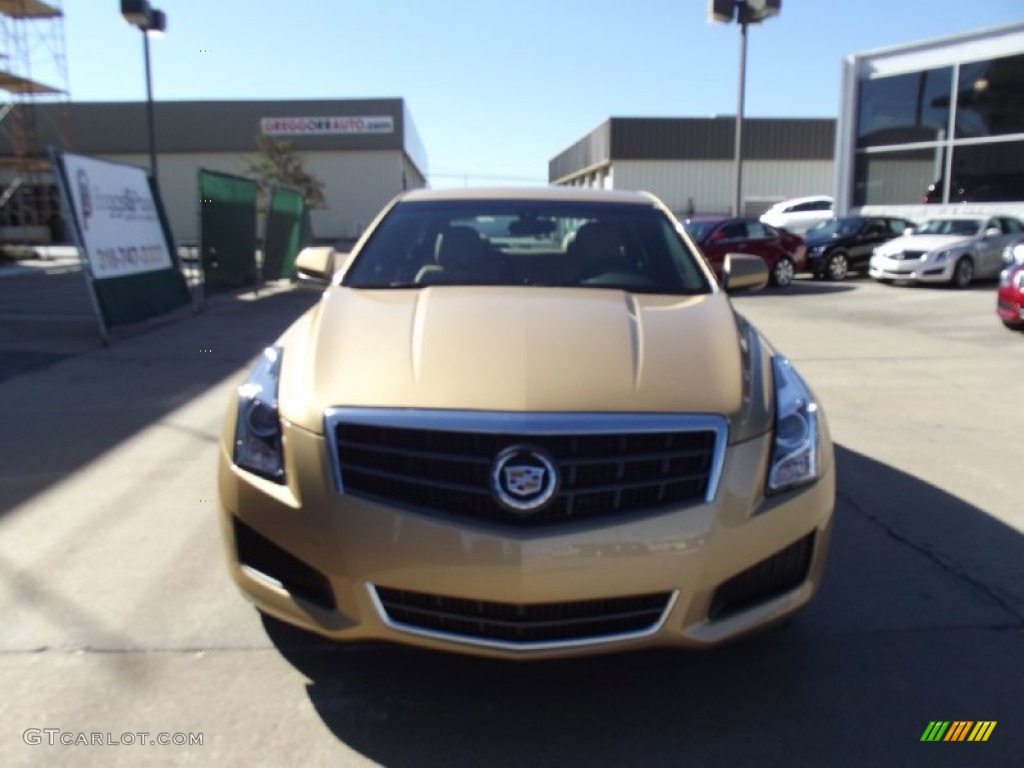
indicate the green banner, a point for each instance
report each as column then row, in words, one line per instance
column 227, row 231
column 287, row 233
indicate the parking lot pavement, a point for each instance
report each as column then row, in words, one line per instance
column 46, row 313
column 121, row 617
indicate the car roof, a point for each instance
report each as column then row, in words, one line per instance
column 961, row 217
column 798, row 200
column 564, row 194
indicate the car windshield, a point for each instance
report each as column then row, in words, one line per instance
column 962, row 227
column 842, row 227
column 524, row 242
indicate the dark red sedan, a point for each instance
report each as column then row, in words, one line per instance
column 1010, row 303
column 783, row 252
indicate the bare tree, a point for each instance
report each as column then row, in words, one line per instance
column 277, row 164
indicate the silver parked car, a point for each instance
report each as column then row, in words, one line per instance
column 950, row 249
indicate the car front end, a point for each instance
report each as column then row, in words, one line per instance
column 1010, row 297
column 922, row 259
column 463, row 468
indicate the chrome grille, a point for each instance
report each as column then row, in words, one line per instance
column 522, row 625
column 608, row 464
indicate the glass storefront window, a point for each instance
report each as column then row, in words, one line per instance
column 990, row 98
column 904, row 108
column 902, row 177
column 988, row 173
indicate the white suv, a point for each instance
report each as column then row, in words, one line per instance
column 800, row 214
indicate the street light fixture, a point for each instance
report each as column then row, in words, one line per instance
column 744, row 12
column 149, row 20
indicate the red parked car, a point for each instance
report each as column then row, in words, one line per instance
column 783, row 252
column 1010, row 303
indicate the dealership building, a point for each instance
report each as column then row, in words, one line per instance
column 688, row 162
column 941, row 119
column 365, row 151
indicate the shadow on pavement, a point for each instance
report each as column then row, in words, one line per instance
column 803, row 287
column 84, row 402
column 920, row 619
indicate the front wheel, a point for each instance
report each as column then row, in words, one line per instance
column 963, row 273
column 782, row 273
column 837, row 266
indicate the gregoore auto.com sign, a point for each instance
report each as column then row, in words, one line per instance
column 321, row 126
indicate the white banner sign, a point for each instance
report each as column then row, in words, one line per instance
column 322, row 126
column 116, row 217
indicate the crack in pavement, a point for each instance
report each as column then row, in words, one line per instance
column 950, row 566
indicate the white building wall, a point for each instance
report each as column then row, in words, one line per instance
column 356, row 186
column 705, row 186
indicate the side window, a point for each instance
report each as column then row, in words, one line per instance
column 822, row 205
column 1012, row 225
column 897, row 226
column 756, row 230
column 734, row 230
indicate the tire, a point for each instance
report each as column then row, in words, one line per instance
column 837, row 266
column 1014, row 325
column 782, row 273
column 963, row 273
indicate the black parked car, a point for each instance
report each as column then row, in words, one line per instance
column 836, row 246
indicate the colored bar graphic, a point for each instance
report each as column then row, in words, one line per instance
column 982, row 730
column 958, row 730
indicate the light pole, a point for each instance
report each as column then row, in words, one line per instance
column 745, row 12
column 147, row 19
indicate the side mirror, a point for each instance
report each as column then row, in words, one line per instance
column 743, row 272
column 315, row 265
column 1015, row 254
column 907, row 231
column 993, row 232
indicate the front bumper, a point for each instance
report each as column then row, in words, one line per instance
column 719, row 568
column 883, row 268
column 1010, row 307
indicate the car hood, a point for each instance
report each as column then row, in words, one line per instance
column 924, row 243
column 512, row 349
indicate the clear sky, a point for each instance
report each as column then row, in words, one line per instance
column 496, row 89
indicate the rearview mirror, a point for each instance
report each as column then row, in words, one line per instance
column 743, row 272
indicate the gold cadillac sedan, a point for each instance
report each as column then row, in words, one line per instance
column 525, row 424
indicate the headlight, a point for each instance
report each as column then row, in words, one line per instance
column 258, row 429
column 940, row 257
column 795, row 447
column 817, row 250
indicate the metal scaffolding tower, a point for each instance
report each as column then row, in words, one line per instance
column 34, row 115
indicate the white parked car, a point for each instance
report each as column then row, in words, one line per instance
column 799, row 214
column 951, row 249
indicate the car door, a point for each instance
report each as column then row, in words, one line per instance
column 1013, row 230
column 728, row 237
column 872, row 233
column 990, row 249
column 763, row 241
